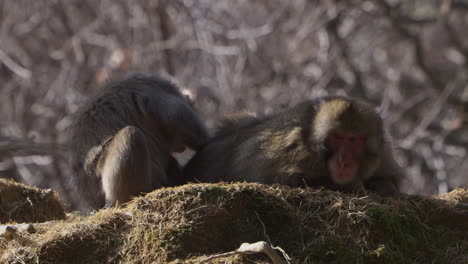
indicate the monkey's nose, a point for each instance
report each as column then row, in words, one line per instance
column 344, row 158
column 345, row 164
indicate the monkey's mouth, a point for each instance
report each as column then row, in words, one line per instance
column 343, row 176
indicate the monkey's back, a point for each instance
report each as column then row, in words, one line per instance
column 119, row 104
column 254, row 150
column 304, row 145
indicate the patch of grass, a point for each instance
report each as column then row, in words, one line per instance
column 22, row 203
column 188, row 223
column 331, row 249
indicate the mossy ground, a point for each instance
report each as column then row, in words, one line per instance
column 189, row 223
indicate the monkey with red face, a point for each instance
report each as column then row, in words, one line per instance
column 335, row 142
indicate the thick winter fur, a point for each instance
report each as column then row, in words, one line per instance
column 122, row 139
column 289, row 148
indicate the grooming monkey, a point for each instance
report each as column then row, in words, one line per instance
column 122, row 139
column 335, row 142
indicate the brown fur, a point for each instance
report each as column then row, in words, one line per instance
column 289, row 148
column 122, row 139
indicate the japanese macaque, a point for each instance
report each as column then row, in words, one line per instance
column 335, row 142
column 122, row 140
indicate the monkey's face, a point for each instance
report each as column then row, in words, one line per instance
column 346, row 150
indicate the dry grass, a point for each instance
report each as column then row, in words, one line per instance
column 189, row 223
column 21, row 203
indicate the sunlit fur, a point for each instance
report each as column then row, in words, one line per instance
column 290, row 148
column 122, row 138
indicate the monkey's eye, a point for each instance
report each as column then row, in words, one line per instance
column 356, row 139
column 342, row 138
column 335, row 139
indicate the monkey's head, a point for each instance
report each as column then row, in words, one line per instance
column 351, row 135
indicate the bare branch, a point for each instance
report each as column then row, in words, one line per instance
column 14, row 67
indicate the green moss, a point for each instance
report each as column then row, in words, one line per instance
column 279, row 221
column 400, row 232
column 331, row 249
column 177, row 242
column 214, row 193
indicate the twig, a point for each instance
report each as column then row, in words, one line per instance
column 285, row 255
column 264, row 228
column 406, row 106
column 416, row 44
column 251, row 248
column 13, row 66
column 346, row 55
column 166, row 33
column 431, row 115
column 257, row 247
column 452, row 33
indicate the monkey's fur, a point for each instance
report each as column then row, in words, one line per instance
column 122, row 139
column 289, row 148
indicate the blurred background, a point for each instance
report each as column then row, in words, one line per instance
column 407, row 58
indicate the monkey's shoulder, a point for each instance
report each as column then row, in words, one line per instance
column 136, row 85
column 236, row 121
column 149, row 83
column 137, row 91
